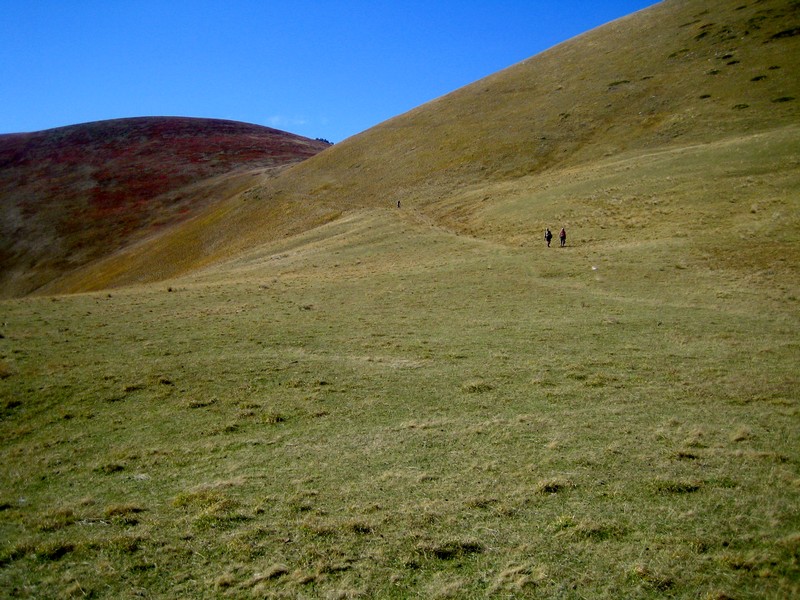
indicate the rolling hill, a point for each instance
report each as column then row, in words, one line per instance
column 678, row 75
column 305, row 390
column 74, row 194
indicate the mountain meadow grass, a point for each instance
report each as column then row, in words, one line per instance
column 332, row 396
column 383, row 407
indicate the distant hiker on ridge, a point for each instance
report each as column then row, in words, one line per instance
column 563, row 237
column 548, row 235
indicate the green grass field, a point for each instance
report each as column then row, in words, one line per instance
column 328, row 396
column 384, row 408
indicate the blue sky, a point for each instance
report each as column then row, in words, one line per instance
column 326, row 69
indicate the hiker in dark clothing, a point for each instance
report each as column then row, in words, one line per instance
column 563, row 237
column 548, row 235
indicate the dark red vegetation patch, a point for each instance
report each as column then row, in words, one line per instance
column 72, row 194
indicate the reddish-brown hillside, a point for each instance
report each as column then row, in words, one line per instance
column 73, row 194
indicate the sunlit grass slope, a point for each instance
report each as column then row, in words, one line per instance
column 382, row 408
column 676, row 75
column 425, row 401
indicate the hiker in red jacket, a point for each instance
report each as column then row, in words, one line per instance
column 563, row 237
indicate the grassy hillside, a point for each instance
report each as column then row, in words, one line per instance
column 385, row 409
column 676, row 75
column 74, row 194
column 354, row 400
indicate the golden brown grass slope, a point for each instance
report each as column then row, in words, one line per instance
column 682, row 74
column 74, row 194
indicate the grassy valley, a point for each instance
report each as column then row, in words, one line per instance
column 386, row 409
column 343, row 398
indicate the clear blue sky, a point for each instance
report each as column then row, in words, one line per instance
column 326, row 69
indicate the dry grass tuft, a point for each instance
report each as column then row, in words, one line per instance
column 476, row 387
column 671, row 486
column 359, row 527
column 195, row 403
column 517, row 578
column 58, row 519
column 124, row 514
column 274, row 572
column 273, row 419
column 123, row 544
column 202, row 498
column 686, row 455
column 598, row 531
column 656, row 581
column 14, row 552
column 54, row 550
column 5, row 370
column 450, row 550
column 109, row 468
column 225, row 581
column 741, row 434
column 554, row 486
